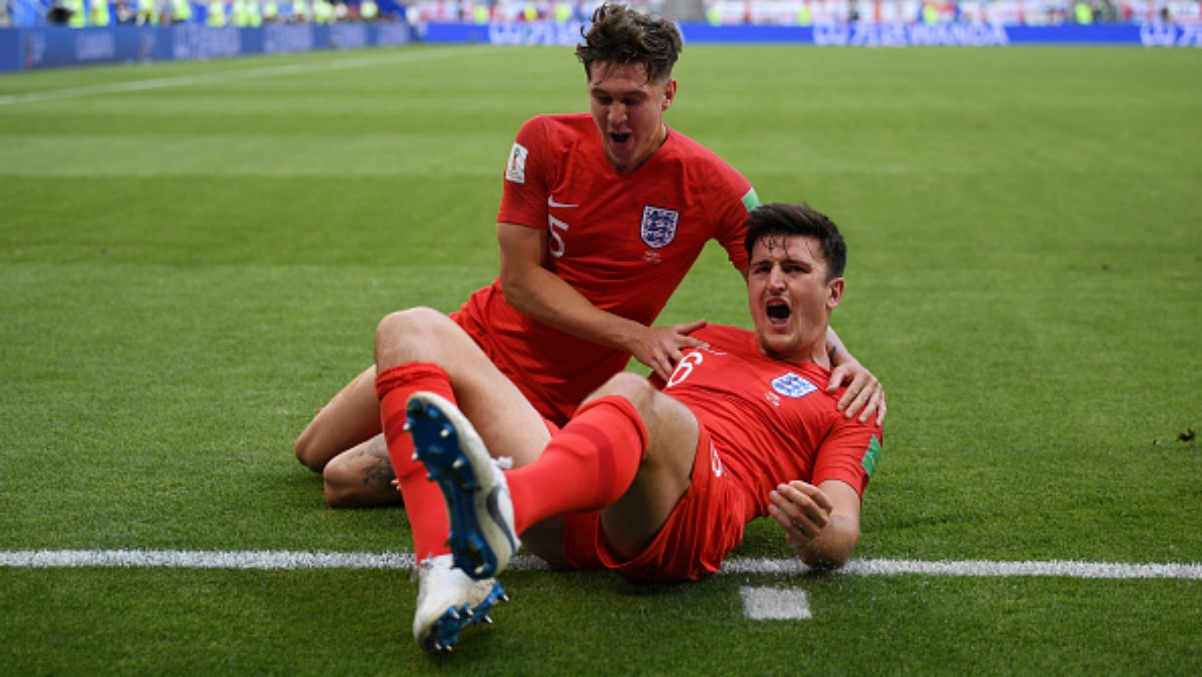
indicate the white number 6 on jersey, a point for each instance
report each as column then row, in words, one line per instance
column 685, row 367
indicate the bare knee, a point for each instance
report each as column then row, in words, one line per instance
column 409, row 335
column 411, row 322
column 347, row 486
column 340, row 488
column 361, row 477
column 306, row 451
column 629, row 385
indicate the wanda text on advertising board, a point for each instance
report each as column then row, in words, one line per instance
column 977, row 34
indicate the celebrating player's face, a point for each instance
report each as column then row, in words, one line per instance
column 791, row 298
column 629, row 112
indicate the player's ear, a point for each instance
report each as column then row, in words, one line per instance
column 669, row 94
column 834, row 293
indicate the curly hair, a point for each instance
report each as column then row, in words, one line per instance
column 621, row 35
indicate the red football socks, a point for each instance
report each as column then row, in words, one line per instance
column 423, row 499
column 587, row 466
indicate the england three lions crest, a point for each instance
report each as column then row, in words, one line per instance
column 792, row 385
column 659, row 226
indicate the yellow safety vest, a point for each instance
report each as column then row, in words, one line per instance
column 216, row 14
column 254, row 17
column 100, row 13
column 78, row 18
column 181, row 11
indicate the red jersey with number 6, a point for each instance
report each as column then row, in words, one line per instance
column 771, row 421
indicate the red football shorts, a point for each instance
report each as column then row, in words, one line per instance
column 544, row 402
column 704, row 527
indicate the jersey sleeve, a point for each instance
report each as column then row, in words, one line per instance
column 850, row 453
column 738, row 199
column 525, row 192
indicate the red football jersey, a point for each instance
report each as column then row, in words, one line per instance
column 770, row 420
column 624, row 241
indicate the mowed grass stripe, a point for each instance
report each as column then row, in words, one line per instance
column 335, row 64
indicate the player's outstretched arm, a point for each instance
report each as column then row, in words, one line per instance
column 821, row 523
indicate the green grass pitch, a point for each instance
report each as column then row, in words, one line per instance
column 189, row 270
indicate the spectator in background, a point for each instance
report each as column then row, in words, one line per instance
column 299, row 12
column 181, row 11
column 215, row 16
column 101, row 14
column 147, row 13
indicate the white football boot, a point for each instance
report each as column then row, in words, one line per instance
column 448, row 601
column 476, row 492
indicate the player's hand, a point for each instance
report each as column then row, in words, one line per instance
column 802, row 509
column 659, row 347
column 864, row 393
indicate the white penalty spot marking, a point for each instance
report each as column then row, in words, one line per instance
column 775, row 604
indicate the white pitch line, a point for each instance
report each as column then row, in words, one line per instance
column 276, row 559
column 230, row 76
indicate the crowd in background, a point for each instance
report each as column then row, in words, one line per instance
column 250, row 13
column 1002, row 12
column 805, row 12
column 219, row 13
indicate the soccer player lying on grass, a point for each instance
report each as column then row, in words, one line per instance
column 602, row 215
column 653, row 480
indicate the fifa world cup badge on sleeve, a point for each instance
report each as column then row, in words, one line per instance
column 515, row 170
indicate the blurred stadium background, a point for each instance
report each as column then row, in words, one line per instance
column 54, row 33
column 253, row 13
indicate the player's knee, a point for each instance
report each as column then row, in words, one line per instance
column 337, row 497
column 635, row 388
column 408, row 321
column 409, row 328
column 306, row 452
column 340, row 489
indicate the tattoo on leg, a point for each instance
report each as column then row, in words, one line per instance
column 380, row 473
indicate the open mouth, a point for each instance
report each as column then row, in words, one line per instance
column 620, row 138
column 778, row 311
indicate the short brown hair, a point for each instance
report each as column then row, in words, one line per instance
column 783, row 220
column 621, row 35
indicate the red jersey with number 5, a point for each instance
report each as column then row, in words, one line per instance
column 624, row 241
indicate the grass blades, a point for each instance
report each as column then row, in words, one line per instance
column 188, row 271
